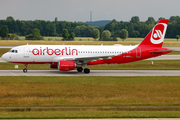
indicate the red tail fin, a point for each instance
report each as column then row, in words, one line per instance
column 155, row 37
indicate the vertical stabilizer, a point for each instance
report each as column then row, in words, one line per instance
column 156, row 36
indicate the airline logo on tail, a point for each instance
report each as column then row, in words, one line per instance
column 158, row 33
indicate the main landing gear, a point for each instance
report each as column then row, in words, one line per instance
column 86, row 70
column 25, row 68
column 79, row 69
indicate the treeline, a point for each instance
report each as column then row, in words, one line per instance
column 135, row 27
column 47, row 28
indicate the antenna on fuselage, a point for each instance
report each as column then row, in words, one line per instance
column 63, row 43
column 102, row 44
column 27, row 43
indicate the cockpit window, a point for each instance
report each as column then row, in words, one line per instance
column 13, row 51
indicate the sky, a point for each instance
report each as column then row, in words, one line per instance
column 79, row 10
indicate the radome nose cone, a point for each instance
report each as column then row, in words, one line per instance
column 4, row 57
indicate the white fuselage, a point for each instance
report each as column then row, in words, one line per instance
column 54, row 53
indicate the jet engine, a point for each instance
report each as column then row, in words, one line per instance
column 65, row 65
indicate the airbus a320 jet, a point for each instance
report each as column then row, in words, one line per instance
column 69, row 57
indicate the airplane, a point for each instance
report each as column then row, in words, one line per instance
column 69, row 57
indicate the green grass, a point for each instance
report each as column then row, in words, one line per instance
column 90, row 91
column 3, row 50
column 88, row 114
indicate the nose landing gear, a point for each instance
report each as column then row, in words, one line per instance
column 25, row 68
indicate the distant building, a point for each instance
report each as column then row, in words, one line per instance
column 91, row 16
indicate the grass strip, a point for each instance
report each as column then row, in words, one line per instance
column 88, row 114
column 89, row 91
column 138, row 97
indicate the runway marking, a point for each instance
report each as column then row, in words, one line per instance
column 24, row 74
column 13, row 74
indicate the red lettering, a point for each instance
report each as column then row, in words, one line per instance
column 57, row 51
column 33, row 51
column 69, row 51
column 64, row 51
column 75, row 51
column 43, row 51
column 40, row 51
column 48, row 51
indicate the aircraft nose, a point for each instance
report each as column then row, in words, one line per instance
column 4, row 57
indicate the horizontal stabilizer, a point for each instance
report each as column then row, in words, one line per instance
column 160, row 51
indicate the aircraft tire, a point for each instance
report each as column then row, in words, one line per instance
column 25, row 70
column 79, row 69
column 86, row 71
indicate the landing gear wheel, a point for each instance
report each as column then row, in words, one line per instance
column 25, row 70
column 86, row 71
column 79, row 69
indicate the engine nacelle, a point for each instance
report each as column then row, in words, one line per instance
column 65, row 65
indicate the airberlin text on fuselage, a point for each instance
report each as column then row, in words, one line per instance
column 57, row 51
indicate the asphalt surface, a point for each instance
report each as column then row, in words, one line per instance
column 174, row 48
column 92, row 73
column 166, row 57
column 1, row 60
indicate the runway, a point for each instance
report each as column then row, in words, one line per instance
column 166, row 57
column 173, row 48
column 7, row 46
column 1, row 60
column 92, row 73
